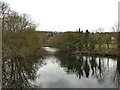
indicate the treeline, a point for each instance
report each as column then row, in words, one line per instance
column 19, row 35
column 86, row 42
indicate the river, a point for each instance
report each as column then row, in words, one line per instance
column 61, row 71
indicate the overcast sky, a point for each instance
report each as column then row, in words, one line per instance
column 69, row 15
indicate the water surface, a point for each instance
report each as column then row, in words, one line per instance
column 62, row 71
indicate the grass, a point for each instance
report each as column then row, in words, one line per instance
column 111, row 46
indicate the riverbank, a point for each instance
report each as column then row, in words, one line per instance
column 39, row 52
column 98, row 53
column 105, row 53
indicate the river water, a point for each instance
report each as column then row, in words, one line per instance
column 61, row 71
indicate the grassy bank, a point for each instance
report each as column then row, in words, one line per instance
column 111, row 52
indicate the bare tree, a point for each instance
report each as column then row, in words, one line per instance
column 4, row 11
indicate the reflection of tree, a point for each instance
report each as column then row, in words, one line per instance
column 93, row 65
column 18, row 71
column 116, row 75
column 72, row 64
column 99, row 69
column 118, row 70
column 118, row 65
column 88, row 67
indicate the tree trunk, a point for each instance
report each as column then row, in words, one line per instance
column 107, row 44
column 119, row 42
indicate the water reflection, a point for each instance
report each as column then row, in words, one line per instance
column 116, row 75
column 50, row 50
column 66, row 71
column 61, row 71
column 101, row 69
column 17, row 71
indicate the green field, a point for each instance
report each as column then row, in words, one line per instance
column 105, row 46
column 111, row 46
